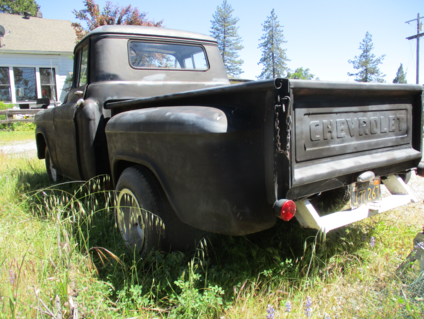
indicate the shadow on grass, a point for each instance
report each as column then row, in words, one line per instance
column 286, row 252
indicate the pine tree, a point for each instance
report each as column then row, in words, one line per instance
column 19, row 6
column 274, row 57
column 400, row 75
column 367, row 63
column 224, row 29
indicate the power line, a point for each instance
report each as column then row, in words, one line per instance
column 417, row 36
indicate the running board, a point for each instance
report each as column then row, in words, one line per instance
column 308, row 217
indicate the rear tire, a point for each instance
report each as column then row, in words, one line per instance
column 145, row 218
column 54, row 175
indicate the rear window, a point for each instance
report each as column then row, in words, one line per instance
column 167, row 56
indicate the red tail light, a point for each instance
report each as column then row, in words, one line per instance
column 288, row 210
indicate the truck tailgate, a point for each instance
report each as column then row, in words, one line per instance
column 344, row 129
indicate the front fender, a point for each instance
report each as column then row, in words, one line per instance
column 44, row 134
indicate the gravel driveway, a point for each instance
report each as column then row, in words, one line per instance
column 19, row 147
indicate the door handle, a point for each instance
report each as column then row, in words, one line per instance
column 79, row 92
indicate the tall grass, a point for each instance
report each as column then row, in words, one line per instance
column 60, row 251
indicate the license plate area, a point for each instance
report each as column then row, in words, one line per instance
column 366, row 192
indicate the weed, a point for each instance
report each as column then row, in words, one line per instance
column 288, row 306
column 270, row 310
column 61, row 252
column 308, row 307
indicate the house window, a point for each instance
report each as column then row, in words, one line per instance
column 25, row 84
column 5, row 85
column 48, row 83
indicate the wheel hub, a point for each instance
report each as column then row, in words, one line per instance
column 130, row 220
column 53, row 171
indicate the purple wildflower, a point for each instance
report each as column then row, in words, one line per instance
column 288, row 306
column 327, row 316
column 11, row 276
column 308, row 309
column 372, row 242
column 270, row 311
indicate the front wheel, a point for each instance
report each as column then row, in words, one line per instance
column 51, row 171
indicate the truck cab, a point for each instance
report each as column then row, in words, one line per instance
column 119, row 63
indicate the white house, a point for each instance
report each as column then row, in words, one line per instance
column 35, row 58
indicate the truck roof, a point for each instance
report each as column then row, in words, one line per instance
column 150, row 31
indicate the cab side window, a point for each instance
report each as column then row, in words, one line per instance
column 83, row 69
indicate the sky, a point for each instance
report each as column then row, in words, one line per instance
column 321, row 35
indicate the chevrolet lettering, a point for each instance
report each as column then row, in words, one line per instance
column 357, row 126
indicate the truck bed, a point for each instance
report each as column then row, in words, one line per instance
column 225, row 177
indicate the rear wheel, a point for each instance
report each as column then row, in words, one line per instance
column 145, row 218
column 51, row 171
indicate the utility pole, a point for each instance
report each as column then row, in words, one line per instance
column 418, row 36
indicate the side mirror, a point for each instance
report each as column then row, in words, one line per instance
column 43, row 103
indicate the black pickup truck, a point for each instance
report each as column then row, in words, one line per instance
column 153, row 108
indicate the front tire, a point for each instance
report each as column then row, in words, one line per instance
column 54, row 175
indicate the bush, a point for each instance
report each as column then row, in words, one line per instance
column 18, row 126
column 21, row 126
column 25, row 126
column 4, row 106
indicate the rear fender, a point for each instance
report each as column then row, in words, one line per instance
column 182, row 119
column 45, row 134
column 163, row 120
column 203, row 158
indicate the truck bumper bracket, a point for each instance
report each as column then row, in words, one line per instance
column 420, row 169
column 401, row 194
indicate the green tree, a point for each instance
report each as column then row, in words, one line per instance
column 19, row 6
column 400, row 75
column 300, row 73
column 110, row 15
column 367, row 63
column 224, row 29
column 274, row 57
